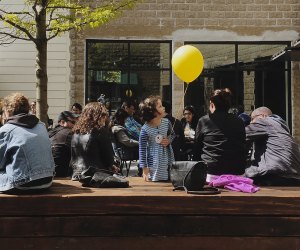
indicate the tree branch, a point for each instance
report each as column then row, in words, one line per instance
column 18, row 27
column 15, row 37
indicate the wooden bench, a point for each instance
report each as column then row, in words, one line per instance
column 149, row 216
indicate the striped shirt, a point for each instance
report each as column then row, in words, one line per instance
column 152, row 154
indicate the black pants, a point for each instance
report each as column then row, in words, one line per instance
column 273, row 180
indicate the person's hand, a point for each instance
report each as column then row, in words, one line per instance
column 145, row 174
column 115, row 169
column 165, row 142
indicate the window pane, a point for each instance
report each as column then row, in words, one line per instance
column 216, row 55
column 127, row 69
column 149, row 55
column 251, row 52
column 107, row 55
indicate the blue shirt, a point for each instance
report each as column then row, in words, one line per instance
column 133, row 128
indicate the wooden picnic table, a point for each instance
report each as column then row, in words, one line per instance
column 149, row 216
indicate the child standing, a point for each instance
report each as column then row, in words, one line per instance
column 155, row 151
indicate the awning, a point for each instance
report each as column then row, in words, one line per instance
column 291, row 53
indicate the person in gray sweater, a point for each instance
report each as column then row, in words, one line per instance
column 275, row 159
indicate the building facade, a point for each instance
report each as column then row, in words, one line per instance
column 244, row 43
column 248, row 46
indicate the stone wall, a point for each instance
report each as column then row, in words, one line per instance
column 249, row 96
column 296, row 99
column 195, row 20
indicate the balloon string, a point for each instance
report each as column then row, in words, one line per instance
column 181, row 102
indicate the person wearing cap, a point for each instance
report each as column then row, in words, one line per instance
column 60, row 138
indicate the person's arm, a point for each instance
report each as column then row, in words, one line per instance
column 256, row 130
column 133, row 127
column 198, row 140
column 143, row 142
column 170, row 135
column 3, row 150
column 106, row 148
column 124, row 139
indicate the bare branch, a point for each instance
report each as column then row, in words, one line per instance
column 15, row 37
column 5, row 39
column 18, row 27
column 34, row 7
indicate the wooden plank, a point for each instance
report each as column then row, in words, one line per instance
column 149, row 225
column 67, row 197
column 150, row 243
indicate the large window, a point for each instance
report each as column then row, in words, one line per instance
column 127, row 69
column 249, row 71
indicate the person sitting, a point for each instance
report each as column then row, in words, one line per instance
column 130, row 147
column 189, row 124
column 178, row 141
column 91, row 145
column 33, row 112
column 276, row 157
column 25, row 152
column 240, row 112
column 60, row 138
column 76, row 108
column 220, row 138
column 132, row 126
column 120, row 132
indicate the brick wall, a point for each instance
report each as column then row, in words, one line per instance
column 196, row 20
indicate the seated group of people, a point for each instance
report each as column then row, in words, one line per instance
column 29, row 160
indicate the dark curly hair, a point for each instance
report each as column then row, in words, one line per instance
column 89, row 118
column 148, row 107
column 222, row 99
column 119, row 117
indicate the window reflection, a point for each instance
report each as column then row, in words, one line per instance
column 127, row 69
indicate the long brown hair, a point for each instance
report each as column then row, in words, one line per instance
column 89, row 118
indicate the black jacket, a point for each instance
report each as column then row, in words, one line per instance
column 60, row 138
column 91, row 150
column 220, row 142
column 177, row 143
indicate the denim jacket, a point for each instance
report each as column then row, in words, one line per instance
column 25, row 154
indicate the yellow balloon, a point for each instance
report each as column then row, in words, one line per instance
column 187, row 63
column 128, row 92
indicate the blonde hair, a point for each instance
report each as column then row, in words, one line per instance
column 16, row 103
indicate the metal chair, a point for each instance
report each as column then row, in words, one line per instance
column 126, row 155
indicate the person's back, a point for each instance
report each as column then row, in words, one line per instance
column 60, row 138
column 276, row 154
column 132, row 126
column 91, row 150
column 25, row 151
column 91, row 144
column 220, row 138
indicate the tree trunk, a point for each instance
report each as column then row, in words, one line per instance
column 41, row 66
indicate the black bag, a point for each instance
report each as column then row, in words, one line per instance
column 191, row 177
column 102, row 178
